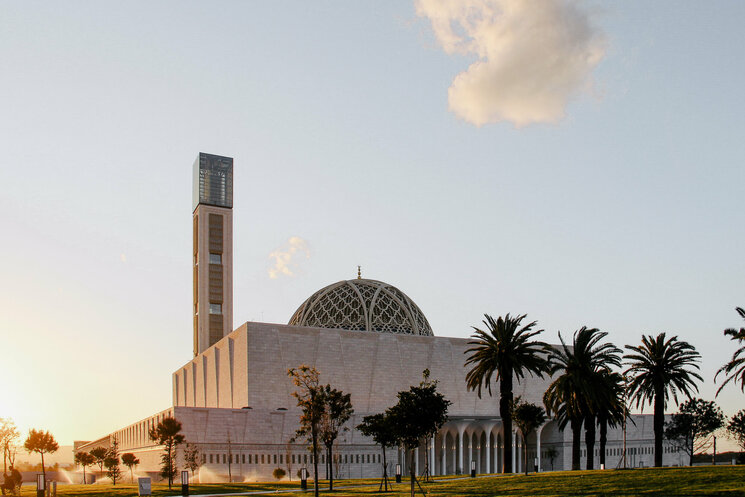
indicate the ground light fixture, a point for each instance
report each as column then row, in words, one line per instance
column 41, row 485
column 304, row 478
column 398, row 473
column 185, row 483
column 473, row 469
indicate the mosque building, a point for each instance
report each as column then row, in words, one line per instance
column 366, row 338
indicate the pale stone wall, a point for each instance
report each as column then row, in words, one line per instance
column 248, row 368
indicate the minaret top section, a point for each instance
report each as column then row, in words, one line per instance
column 213, row 181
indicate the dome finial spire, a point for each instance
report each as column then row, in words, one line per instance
column 359, row 272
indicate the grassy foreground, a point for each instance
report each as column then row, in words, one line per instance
column 698, row 481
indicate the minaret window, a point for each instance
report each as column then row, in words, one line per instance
column 215, row 308
column 215, row 258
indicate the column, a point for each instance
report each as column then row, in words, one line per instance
column 514, row 446
column 538, row 447
column 432, row 459
column 443, row 465
column 470, row 454
column 488, row 453
column 460, row 448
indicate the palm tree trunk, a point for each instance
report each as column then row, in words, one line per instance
column 576, row 442
column 659, row 423
column 590, row 441
column 603, row 439
column 385, row 470
column 525, row 439
column 505, row 400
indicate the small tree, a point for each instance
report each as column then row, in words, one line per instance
column 419, row 411
column 278, row 473
column 167, row 433
column 288, row 460
column 192, row 457
column 113, row 471
column 736, row 428
column 84, row 459
column 130, row 461
column 379, row 428
column 41, row 442
column 8, row 435
column 310, row 401
column 691, row 428
column 337, row 411
column 527, row 418
column 99, row 455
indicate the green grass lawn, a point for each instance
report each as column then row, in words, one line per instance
column 698, row 481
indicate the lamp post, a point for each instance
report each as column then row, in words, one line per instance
column 185, row 483
column 398, row 473
column 473, row 469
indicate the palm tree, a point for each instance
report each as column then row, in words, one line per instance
column 657, row 368
column 574, row 395
column 504, row 350
column 735, row 368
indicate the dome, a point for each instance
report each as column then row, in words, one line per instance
column 362, row 305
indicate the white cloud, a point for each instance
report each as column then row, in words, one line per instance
column 533, row 56
column 287, row 257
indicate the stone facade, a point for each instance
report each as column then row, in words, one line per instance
column 235, row 401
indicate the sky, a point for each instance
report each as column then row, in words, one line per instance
column 578, row 161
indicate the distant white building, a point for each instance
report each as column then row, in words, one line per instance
column 365, row 337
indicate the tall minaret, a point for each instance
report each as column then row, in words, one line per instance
column 213, row 250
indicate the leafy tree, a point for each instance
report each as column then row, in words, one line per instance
column 167, row 433
column 690, row 429
column 99, row 455
column 111, row 462
column 419, row 411
column 113, row 471
column 130, row 461
column 337, row 411
column 311, row 402
column 192, row 458
column 527, row 417
column 574, row 395
column 380, row 428
column 735, row 368
column 84, row 459
column 736, row 428
column 8, row 435
column 505, row 349
column 41, row 442
column 278, row 473
column 657, row 368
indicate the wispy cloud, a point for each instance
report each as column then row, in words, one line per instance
column 287, row 257
column 533, row 56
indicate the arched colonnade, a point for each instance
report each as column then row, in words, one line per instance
column 460, row 442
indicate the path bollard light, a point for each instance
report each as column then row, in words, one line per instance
column 398, row 473
column 41, row 485
column 602, row 466
column 304, row 478
column 535, row 464
column 473, row 469
column 185, row 483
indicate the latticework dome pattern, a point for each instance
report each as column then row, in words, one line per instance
column 363, row 305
